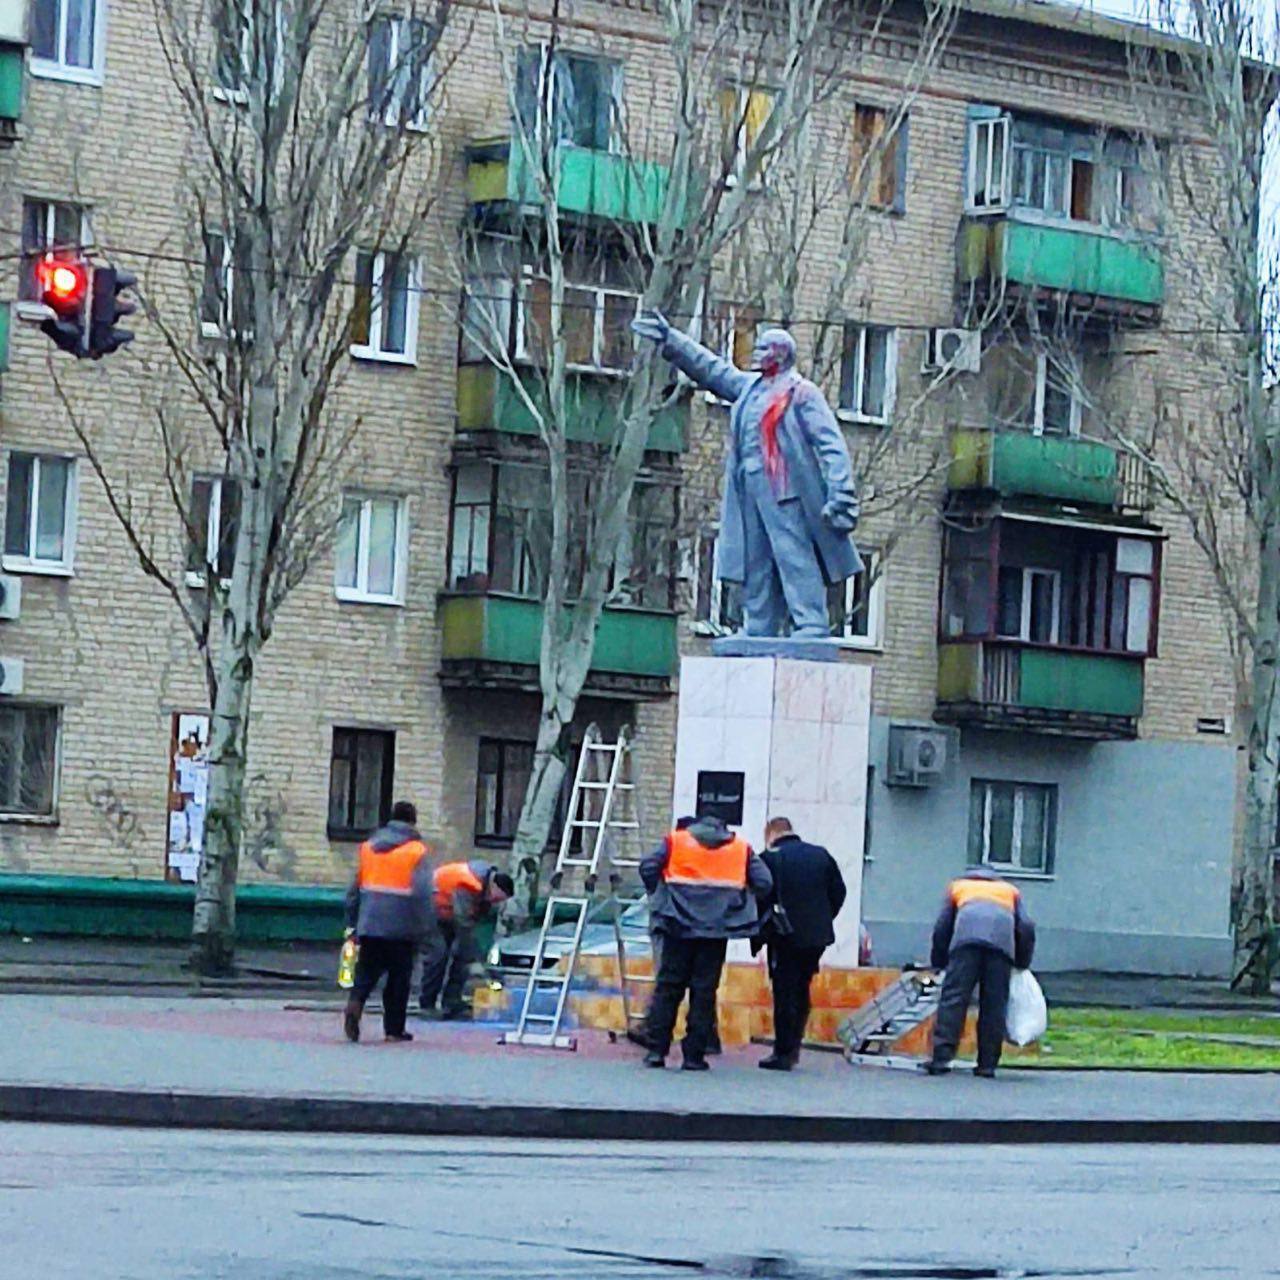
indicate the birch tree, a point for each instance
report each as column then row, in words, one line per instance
column 310, row 134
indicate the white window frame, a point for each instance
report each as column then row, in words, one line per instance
column 985, row 130
column 524, row 345
column 396, row 23
column 65, row 567
column 874, row 638
column 239, row 95
column 360, row 593
column 50, row 818
column 1029, row 573
column 373, row 349
column 56, row 68
column 212, row 533
column 1042, row 384
column 1014, row 867
column 854, row 414
column 50, row 209
column 213, row 328
column 551, row 66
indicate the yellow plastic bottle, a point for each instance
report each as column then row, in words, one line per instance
column 347, row 962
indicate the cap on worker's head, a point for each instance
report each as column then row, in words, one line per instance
column 687, row 821
column 403, row 811
column 504, row 884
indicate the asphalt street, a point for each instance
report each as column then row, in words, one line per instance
column 96, row 1204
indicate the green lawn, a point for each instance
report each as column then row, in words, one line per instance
column 1167, row 1041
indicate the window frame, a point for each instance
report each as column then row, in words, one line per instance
column 524, row 341
column 64, row 567
column 850, row 413
column 238, row 94
column 361, row 594
column 8, row 815
column 1076, row 414
column 1027, row 574
column 741, row 141
column 198, row 579
column 890, row 162
column 348, row 833
column 58, row 68
column 373, row 349
column 873, row 564
column 553, row 62
column 391, row 116
column 226, row 270
column 33, row 254
column 1014, row 869
column 495, row 839
column 989, row 125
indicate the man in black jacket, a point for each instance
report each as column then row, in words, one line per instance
column 807, row 884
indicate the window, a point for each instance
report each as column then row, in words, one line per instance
column 1012, row 825
column 574, row 95
column 242, row 51
column 743, row 114
column 226, row 304
column 49, row 227
column 596, row 324
column 731, row 329
column 879, row 163
column 215, row 520
column 371, row 550
column 39, row 518
column 718, row 604
column 1046, row 392
column 644, row 572
column 400, row 71
column 1028, row 604
column 856, row 605
column 1132, row 623
column 384, row 321
column 502, row 776
column 869, row 372
column 361, row 776
column 66, row 39
column 988, row 164
column 28, row 760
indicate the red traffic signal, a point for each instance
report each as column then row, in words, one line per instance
column 63, row 284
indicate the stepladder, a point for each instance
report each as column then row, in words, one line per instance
column 594, row 880
column 870, row 1032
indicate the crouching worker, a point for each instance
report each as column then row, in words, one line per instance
column 465, row 893
column 981, row 933
column 389, row 907
column 703, row 883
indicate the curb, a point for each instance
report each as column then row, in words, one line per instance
column 59, row 1104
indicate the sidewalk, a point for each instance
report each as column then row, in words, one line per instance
column 261, row 1064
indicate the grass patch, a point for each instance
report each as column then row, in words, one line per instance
column 1163, row 1041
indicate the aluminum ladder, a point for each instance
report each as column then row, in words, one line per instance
column 872, row 1030
column 601, row 833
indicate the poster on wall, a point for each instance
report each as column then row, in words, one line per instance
column 188, row 795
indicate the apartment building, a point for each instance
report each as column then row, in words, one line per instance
column 1052, row 691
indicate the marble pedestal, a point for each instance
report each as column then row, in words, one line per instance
column 797, row 732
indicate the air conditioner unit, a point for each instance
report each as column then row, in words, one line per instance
column 11, row 675
column 10, row 597
column 953, row 351
column 918, row 755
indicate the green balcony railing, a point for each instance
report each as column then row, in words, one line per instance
column 1012, row 462
column 507, row 630
column 488, row 401
column 12, row 68
column 1072, row 258
column 598, row 184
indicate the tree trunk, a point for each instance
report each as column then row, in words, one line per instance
column 1255, row 907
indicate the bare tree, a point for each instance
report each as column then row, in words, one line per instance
column 310, row 136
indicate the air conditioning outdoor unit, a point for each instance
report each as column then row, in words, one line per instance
column 918, row 755
column 11, row 675
column 953, row 351
column 10, row 597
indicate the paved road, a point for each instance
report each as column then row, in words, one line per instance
column 79, row 1203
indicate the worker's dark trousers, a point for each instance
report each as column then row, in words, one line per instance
column 713, row 1040
column 791, row 970
column 445, row 956
column 988, row 970
column 394, row 957
column 693, row 965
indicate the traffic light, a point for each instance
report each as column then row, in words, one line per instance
column 64, row 288
column 105, row 308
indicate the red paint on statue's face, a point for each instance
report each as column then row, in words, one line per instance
column 768, row 358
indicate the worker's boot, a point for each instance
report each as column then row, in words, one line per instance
column 351, row 1019
column 935, row 1067
column 655, row 1059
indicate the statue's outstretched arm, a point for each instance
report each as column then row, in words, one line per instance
column 712, row 372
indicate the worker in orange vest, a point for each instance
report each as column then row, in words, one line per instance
column 982, row 932
column 389, row 907
column 704, row 882
column 464, row 894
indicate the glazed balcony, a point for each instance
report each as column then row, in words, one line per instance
column 591, row 184
column 1003, row 685
column 493, row 641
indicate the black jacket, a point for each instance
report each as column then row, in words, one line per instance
column 808, row 884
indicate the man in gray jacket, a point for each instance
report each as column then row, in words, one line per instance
column 789, row 501
column 704, row 883
column 981, row 933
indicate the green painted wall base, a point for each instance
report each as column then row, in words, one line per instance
column 93, row 907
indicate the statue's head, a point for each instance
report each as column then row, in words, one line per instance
column 774, row 352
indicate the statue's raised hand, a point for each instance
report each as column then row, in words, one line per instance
column 652, row 325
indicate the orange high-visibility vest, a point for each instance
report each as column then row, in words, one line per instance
column 451, row 877
column 964, row 891
column 693, row 863
column 391, row 870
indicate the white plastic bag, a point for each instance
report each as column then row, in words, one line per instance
column 1027, row 1016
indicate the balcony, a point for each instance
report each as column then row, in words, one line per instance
column 12, row 68
column 1109, row 273
column 994, row 685
column 492, row 641
column 1013, row 463
column 594, row 184
column 487, row 401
